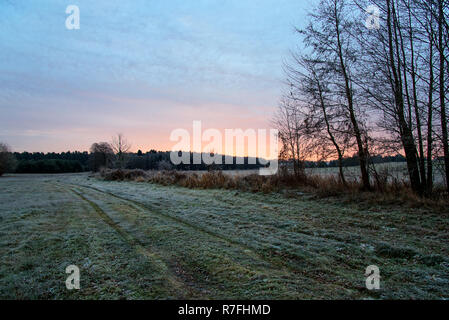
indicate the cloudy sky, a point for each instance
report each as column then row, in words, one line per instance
column 140, row 67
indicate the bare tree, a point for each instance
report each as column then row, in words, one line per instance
column 397, row 81
column 395, row 62
column 426, row 20
column 120, row 146
column 393, row 73
column 442, row 48
column 330, row 37
column 324, row 117
column 290, row 124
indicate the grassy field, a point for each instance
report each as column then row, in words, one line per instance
column 142, row 241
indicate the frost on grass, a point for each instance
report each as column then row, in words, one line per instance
column 139, row 240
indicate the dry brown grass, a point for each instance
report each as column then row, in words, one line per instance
column 387, row 193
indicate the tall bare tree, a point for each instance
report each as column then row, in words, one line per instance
column 330, row 37
column 442, row 49
column 290, row 125
column 397, row 78
column 324, row 118
column 120, row 146
column 392, row 72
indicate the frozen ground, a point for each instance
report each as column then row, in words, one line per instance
column 142, row 241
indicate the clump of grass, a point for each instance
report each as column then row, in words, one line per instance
column 120, row 174
column 431, row 260
column 386, row 250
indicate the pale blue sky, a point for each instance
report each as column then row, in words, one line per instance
column 139, row 67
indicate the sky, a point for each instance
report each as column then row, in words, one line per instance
column 142, row 68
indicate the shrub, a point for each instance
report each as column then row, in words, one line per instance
column 7, row 159
column 122, row 174
column 134, row 174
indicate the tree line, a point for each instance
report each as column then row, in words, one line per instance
column 76, row 161
column 371, row 82
column 115, row 154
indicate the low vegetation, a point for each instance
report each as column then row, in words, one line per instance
column 148, row 241
column 384, row 192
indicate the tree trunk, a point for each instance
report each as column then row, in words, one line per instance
column 429, row 186
column 405, row 131
column 442, row 91
column 349, row 99
column 331, row 135
column 422, row 167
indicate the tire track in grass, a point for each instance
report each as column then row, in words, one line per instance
column 272, row 263
column 156, row 211
column 136, row 245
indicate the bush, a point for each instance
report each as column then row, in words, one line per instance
column 134, row 174
column 122, row 174
column 7, row 159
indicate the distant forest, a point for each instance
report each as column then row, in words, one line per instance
column 38, row 162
